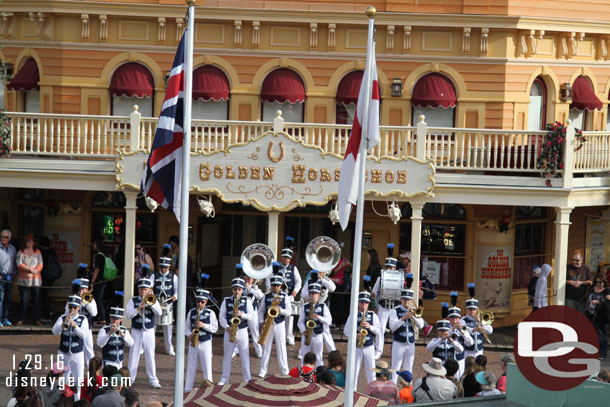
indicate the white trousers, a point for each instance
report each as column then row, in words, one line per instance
column 253, row 327
column 384, row 315
column 402, row 357
column 75, row 367
column 366, row 353
column 202, row 354
column 316, row 346
column 241, row 342
column 88, row 348
column 168, row 332
column 143, row 339
column 289, row 334
column 329, row 342
column 277, row 335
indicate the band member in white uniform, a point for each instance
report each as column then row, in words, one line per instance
column 458, row 332
column 143, row 331
column 385, row 304
column 73, row 329
column 80, row 286
column 255, row 295
column 277, row 331
column 472, row 321
column 244, row 313
column 165, row 287
column 327, row 286
column 113, row 338
column 372, row 327
column 443, row 346
column 401, row 324
column 321, row 316
column 200, row 350
column 292, row 286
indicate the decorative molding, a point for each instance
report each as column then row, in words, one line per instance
column 432, row 41
column 466, row 41
column 237, row 39
column 179, row 29
column 484, row 40
column 103, row 27
column 285, row 36
column 7, row 25
column 85, row 27
column 602, row 48
column 332, row 36
column 131, row 30
column 256, row 34
column 568, row 45
column 527, row 43
column 389, row 43
column 313, row 35
column 161, row 36
column 43, row 25
column 406, row 42
column 355, row 38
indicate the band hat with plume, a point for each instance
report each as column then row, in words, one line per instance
column 238, row 281
column 406, row 294
column 116, row 312
column 454, row 311
column 201, row 294
column 276, row 280
column 82, row 265
column 276, row 267
column 74, row 300
column 390, row 261
column 364, row 296
column 288, row 251
column 165, row 262
column 472, row 303
column 313, row 288
column 144, row 283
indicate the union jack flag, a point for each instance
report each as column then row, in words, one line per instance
column 163, row 173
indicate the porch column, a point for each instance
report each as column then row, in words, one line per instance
column 130, row 245
column 562, row 226
column 273, row 232
column 416, row 218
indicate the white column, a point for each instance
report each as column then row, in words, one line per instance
column 562, row 226
column 422, row 132
column 568, row 155
column 273, row 232
column 130, row 246
column 416, row 219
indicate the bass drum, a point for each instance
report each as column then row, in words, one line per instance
column 166, row 317
column 391, row 284
column 297, row 307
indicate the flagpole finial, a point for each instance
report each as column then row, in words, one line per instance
column 190, row 3
column 371, row 11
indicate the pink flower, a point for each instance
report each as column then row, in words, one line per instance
column 561, row 165
column 548, row 143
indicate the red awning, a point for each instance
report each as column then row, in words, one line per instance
column 349, row 88
column 132, row 79
column 434, row 90
column 583, row 96
column 210, row 83
column 283, row 85
column 27, row 78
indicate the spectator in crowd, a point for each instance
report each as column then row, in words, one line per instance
column 97, row 279
column 604, row 270
column 405, row 379
column 504, row 361
column 107, row 371
column 577, row 280
column 470, row 383
column 8, row 253
column 383, row 387
column 488, row 384
column 124, row 371
column 434, row 386
column 29, row 267
column 598, row 311
column 468, row 366
column 324, row 375
column 21, row 383
column 29, row 397
column 51, row 271
column 603, row 376
column 452, row 366
column 338, row 298
column 307, row 371
column 112, row 396
column 373, row 271
column 132, row 399
column 93, row 379
column 336, row 364
column 141, row 259
column 51, row 392
column 540, row 297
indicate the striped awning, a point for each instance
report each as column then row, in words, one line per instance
column 276, row 391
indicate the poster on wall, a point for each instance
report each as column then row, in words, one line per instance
column 66, row 244
column 598, row 242
column 494, row 265
column 432, row 269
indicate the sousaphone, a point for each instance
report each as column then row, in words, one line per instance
column 257, row 260
column 323, row 254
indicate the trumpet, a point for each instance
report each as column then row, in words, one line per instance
column 147, row 301
column 68, row 321
column 415, row 313
column 486, row 318
column 311, row 324
column 87, row 297
column 235, row 321
column 116, row 330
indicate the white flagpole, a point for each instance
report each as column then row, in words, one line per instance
column 351, row 343
column 184, row 207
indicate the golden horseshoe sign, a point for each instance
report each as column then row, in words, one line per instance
column 270, row 155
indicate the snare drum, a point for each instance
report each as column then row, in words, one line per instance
column 297, row 307
column 392, row 283
column 166, row 317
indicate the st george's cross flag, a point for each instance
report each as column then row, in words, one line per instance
column 163, row 173
column 349, row 177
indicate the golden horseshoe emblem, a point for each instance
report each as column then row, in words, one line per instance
column 270, row 155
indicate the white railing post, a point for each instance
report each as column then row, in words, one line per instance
column 134, row 128
column 278, row 122
column 422, row 130
column 568, row 156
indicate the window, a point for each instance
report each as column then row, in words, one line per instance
column 240, row 231
column 347, row 97
column 132, row 84
column 583, row 99
column 434, row 97
column 31, row 101
column 210, row 94
column 529, row 251
column 536, row 119
column 283, row 89
column 26, row 80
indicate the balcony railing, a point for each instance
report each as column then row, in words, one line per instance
column 481, row 151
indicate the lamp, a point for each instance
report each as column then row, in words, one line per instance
column 151, row 203
column 565, row 91
column 394, row 212
column 206, row 206
column 333, row 214
column 167, row 75
column 396, row 87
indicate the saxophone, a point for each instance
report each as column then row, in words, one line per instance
column 195, row 332
column 311, row 324
column 362, row 333
column 272, row 313
column 235, row 321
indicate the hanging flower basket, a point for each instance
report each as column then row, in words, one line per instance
column 550, row 160
column 5, row 134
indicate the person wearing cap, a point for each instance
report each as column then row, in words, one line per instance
column 459, row 334
column 203, row 319
column 382, row 387
column 471, row 320
column 321, row 315
column 434, row 386
column 488, row 384
column 401, row 324
column 277, row 331
column 444, row 347
column 405, row 379
column 80, row 286
column 165, row 287
column 143, row 331
column 504, row 361
column 73, row 328
column 372, row 326
column 327, row 287
column 113, row 338
column 255, row 294
column 244, row 312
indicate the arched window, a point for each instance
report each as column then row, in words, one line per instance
column 210, row 94
column 347, row 97
column 283, row 89
column 132, row 84
column 583, row 100
column 536, row 119
column 434, row 97
column 26, row 80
